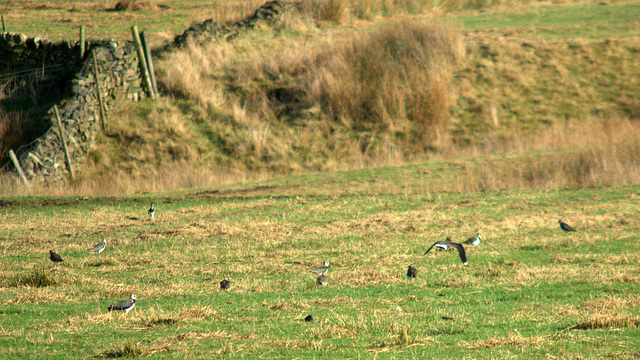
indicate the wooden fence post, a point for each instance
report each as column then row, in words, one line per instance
column 14, row 159
column 152, row 72
column 143, row 63
column 81, row 41
column 63, row 137
column 103, row 114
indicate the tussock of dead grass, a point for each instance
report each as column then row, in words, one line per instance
column 38, row 277
column 608, row 321
column 513, row 340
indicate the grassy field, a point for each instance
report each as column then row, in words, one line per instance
column 529, row 291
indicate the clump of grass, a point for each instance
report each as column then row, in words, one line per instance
column 128, row 349
column 615, row 321
column 135, row 5
column 37, row 278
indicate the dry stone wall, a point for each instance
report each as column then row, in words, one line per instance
column 120, row 80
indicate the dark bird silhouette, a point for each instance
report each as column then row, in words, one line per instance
column 308, row 318
column 448, row 243
column 55, row 258
column 412, row 272
column 225, row 284
column 124, row 305
column 564, row 226
column 322, row 280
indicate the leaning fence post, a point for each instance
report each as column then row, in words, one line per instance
column 14, row 159
column 81, row 41
column 152, row 73
column 100, row 101
column 64, row 142
column 143, row 63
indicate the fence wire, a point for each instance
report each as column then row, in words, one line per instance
column 71, row 104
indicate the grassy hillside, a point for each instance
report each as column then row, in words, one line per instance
column 306, row 95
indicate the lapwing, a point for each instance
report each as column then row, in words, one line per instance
column 442, row 245
column 564, row 226
column 475, row 241
column 125, row 305
column 322, row 280
column 99, row 247
column 225, row 284
column 448, row 243
column 152, row 211
column 55, row 258
column 412, row 272
column 322, row 270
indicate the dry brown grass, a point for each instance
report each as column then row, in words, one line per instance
column 123, row 5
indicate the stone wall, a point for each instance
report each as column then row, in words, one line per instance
column 120, row 80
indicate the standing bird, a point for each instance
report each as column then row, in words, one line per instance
column 448, row 243
column 99, row 247
column 125, row 305
column 152, row 211
column 412, row 272
column 322, row 270
column 474, row 240
column 55, row 258
column 225, row 284
column 322, row 280
column 564, row 226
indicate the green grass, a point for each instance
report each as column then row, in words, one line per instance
column 529, row 291
column 592, row 21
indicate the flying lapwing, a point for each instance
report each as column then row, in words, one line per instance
column 448, row 243
column 322, row 270
column 412, row 272
column 442, row 245
column 99, row 247
column 152, row 211
column 225, row 284
column 564, row 226
column 55, row 258
column 125, row 305
column 322, row 280
column 474, row 240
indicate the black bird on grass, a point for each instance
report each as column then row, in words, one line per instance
column 412, row 272
column 55, row 258
column 308, row 318
column 322, row 280
column 564, row 226
column 448, row 243
column 225, row 284
column 124, row 305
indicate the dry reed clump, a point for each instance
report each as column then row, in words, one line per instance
column 346, row 106
column 514, row 340
column 13, row 132
column 135, row 5
column 610, row 321
column 38, row 277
